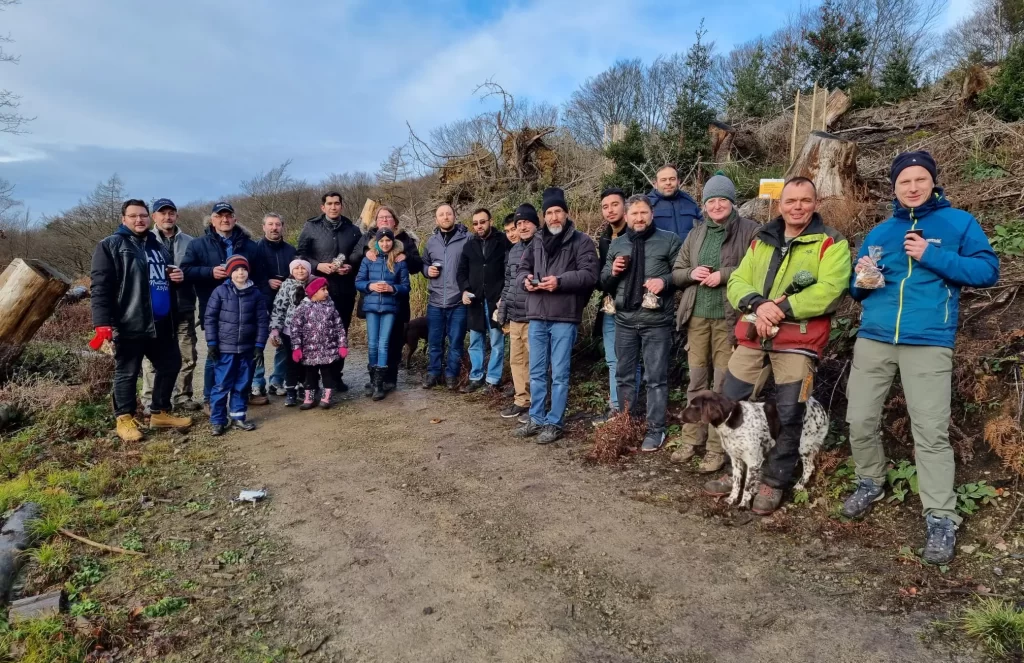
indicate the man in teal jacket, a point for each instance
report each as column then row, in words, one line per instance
column 929, row 250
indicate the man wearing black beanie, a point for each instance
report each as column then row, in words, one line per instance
column 512, row 312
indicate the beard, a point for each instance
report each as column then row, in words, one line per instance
column 555, row 230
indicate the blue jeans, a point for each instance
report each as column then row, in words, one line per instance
column 378, row 335
column 477, row 349
column 232, row 375
column 445, row 323
column 280, row 369
column 550, row 347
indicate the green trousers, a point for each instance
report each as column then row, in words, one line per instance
column 926, row 374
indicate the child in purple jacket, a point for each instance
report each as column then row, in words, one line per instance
column 318, row 340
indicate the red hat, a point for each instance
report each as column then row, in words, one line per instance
column 236, row 261
column 315, row 285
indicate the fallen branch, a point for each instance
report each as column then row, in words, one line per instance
column 100, row 546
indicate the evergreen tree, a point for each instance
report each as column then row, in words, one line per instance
column 899, row 76
column 1005, row 97
column 751, row 95
column 833, row 55
column 630, row 158
column 685, row 140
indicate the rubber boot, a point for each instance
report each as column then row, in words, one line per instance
column 307, row 403
column 290, row 397
column 378, row 384
column 368, row 387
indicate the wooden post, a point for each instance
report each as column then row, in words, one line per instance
column 29, row 291
column 796, row 121
column 814, row 105
column 369, row 213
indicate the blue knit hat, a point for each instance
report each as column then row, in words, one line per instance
column 908, row 159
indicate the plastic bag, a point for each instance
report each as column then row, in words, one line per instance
column 608, row 305
column 651, row 300
column 870, row 278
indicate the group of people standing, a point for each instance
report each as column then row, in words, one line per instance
column 754, row 301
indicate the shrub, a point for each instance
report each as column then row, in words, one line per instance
column 1005, row 97
column 997, row 625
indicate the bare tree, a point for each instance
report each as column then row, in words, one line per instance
column 11, row 121
column 892, row 25
column 603, row 101
column 72, row 235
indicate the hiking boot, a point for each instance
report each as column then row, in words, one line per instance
column 325, row 399
column 451, row 383
column 719, row 487
column 513, row 411
column 368, row 387
column 602, row 419
column 863, row 499
column 167, row 420
column 767, row 500
column 242, row 424
column 128, row 428
column 529, row 429
column 683, row 454
column 492, row 390
column 307, row 402
column 431, row 381
column 471, row 386
column 940, row 540
column 259, row 399
column 712, row 462
column 189, row 406
column 549, row 435
column 290, row 397
column 378, row 384
column 653, row 441
column 217, row 430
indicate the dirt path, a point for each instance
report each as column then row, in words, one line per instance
column 456, row 542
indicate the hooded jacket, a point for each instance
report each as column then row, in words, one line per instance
column 318, row 332
column 320, row 242
column 177, row 246
column 574, row 265
column 920, row 302
column 676, row 213
column 376, row 271
column 481, row 272
column 660, row 251
column 444, row 291
column 206, row 252
column 273, row 259
column 236, row 321
column 284, row 304
column 413, row 264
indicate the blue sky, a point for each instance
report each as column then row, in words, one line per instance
column 187, row 98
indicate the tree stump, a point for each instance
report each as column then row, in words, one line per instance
column 831, row 163
column 836, row 105
column 29, row 292
column 722, row 136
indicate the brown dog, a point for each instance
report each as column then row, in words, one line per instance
column 415, row 331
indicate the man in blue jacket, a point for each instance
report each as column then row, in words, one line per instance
column 674, row 209
column 929, row 250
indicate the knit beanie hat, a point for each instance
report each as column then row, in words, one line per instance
column 527, row 212
column 315, row 285
column 613, row 191
column 553, row 197
column 385, row 232
column 719, row 186
column 907, row 159
column 299, row 261
column 236, row 261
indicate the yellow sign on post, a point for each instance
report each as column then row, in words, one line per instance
column 771, row 189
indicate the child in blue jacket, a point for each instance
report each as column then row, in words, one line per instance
column 380, row 280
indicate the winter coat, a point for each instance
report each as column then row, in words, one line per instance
column 513, row 295
column 318, row 243
column 285, row 303
column 413, row 264
column 920, row 302
column 209, row 251
column 272, row 260
column 481, row 271
column 443, row 292
column 660, row 252
column 575, row 266
column 236, row 321
column 739, row 232
column 318, row 332
column 121, row 295
column 375, row 271
column 677, row 213
column 604, row 242
column 177, row 246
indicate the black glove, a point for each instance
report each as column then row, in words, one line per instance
column 213, row 351
column 257, row 353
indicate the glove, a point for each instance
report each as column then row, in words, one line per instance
column 342, row 352
column 297, row 355
column 257, row 353
column 213, row 351
column 102, row 334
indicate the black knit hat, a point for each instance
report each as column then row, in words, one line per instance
column 553, row 197
column 613, row 191
column 527, row 212
column 908, row 159
column 385, row 232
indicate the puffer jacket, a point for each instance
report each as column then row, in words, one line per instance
column 574, row 265
column 272, row 260
column 677, row 213
column 284, row 305
column 236, row 320
column 660, row 251
column 318, row 332
column 413, row 264
column 444, row 290
column 920, row 303
column 209, row 251
column 739, row 232
column 177, row 246
column 320, row 242
column 513, row 295
column 376, row 271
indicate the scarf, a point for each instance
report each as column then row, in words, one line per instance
column 333, row 224
column 634, row 295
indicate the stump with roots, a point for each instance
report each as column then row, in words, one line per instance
column 831, row 163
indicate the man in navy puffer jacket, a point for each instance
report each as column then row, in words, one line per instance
column 237, row 326
column 674, row 210
column 929, row 250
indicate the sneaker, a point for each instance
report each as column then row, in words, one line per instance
column 719, row 487
column 258, row 399
column 940, row 540
column 325, row 400
column 767, row 500
column 863, row 499
column 549, row 435
column 128, row 428
column 524, row 418
column 307, row 402
column 492, row 390
column 189, row 406
column 278, row 390
column 451, row 383
column 513, row 411
column 712, row 462
column 167, row 420
column 291, row 397
column 653, row 442
column 683, row 454
column 242, row 424
column 218, row 429
column 431, row 381
column 602, row 419
column 529, row 429
column 471, row 386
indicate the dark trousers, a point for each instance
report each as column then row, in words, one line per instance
column 325, row 372
column 655, row 345
column 163, row 352
column 345, row 304
column 294, row 371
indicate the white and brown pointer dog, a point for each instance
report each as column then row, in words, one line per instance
column 749, row 431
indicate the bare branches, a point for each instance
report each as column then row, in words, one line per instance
column 11, row 121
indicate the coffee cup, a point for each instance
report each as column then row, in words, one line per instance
column 625, row 262
column 436, row 265
column 916, row 231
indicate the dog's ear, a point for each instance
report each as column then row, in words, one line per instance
column 712, row 410
column 771, row 412
column 735, row 419
column 693, row 413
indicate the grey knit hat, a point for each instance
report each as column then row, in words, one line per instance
column 719, row 186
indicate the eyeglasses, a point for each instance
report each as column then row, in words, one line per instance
column 136, row 217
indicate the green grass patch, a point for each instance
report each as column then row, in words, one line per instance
column 43, row 641
column 997, row 625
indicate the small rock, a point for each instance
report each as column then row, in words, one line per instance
column 428, row 610
column 967, row 550
column 997, row 570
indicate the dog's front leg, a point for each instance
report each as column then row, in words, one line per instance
column 753, row 482
column 737, row 481
column 808, row 462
